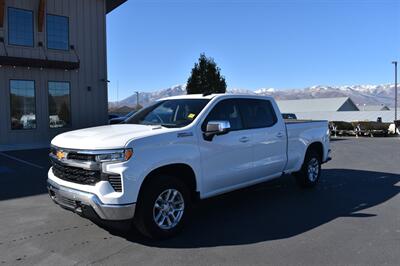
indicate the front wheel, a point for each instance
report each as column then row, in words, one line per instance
column 310, row 171
column 163, row 207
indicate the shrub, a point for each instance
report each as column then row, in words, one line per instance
column 364, row 125
column 341, row 125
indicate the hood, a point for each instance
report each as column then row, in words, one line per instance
column 104, row 137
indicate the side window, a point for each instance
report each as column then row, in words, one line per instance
column 20, row 27
column 257, row 113
column 59, row 104
column 226, row 110
column 57, row 32
column 22, row 103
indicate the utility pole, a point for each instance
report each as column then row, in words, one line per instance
column 395, row 92
column 137, row 101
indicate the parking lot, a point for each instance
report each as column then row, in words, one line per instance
column 353, row 217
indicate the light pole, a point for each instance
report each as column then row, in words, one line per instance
column 395, row 91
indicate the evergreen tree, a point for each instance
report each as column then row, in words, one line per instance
column 206, row 78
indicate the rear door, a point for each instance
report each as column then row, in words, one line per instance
column 227, row 160
column 268, row 136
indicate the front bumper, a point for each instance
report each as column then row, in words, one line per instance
column 78, row 201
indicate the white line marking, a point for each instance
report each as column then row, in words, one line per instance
column 21, row 161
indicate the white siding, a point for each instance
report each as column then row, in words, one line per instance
column 317, row 105
column 352, row 116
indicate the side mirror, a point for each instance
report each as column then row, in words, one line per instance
column 216, row 128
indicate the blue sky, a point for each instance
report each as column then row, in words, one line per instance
column 257, row 44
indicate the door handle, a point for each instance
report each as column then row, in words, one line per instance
column 244, row 139
column 280, row 135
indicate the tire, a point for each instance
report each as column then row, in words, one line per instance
column 157, row 190
column 303, row 177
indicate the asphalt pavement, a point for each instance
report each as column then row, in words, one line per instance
column 352, row 217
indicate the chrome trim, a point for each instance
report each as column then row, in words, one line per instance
column 218, row 126
column 89, row 165
column 75, row 163
column 89, row 152
column 66, row 197
column 99, row 152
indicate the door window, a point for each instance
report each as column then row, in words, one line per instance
column 257, row 113
column 226, row 110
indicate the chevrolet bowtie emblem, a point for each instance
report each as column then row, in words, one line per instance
column 60, row 155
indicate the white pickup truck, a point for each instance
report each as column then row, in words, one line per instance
column 152, row 167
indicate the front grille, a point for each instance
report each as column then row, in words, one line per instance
column 115, row 181
column 74, row 174
column 81, row 157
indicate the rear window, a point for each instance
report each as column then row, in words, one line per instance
column 257, row 113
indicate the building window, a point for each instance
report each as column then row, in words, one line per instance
column 59, row 104
column 20, row 27
column 57, row 32
column 23, row 107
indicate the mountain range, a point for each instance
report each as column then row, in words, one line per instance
column 360, row 94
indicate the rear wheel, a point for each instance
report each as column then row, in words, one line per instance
column 162, row 208
column 310, row 171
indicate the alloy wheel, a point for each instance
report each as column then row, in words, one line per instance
column 168, row 209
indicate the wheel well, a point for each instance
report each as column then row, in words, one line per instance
column 317, row 147
column 183, row 172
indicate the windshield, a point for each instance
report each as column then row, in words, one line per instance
column 169, row 113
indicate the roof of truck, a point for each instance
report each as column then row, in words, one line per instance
column 216, row 95
column 191, row 96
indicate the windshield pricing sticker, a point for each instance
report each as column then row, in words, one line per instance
column 191, row 116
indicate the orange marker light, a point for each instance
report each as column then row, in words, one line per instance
column 128, row 154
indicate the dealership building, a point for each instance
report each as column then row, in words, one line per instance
column 337, row 109
column 53, row 68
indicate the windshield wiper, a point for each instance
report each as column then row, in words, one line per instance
column 162, row 125
column 169, row 125
column 148, row 124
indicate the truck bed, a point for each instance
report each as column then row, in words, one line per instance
column 299, row 134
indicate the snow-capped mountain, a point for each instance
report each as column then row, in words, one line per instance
column 264, row 90
column 360, row 94
column 148, row 97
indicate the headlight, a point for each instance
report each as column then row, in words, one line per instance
column 115, row 156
